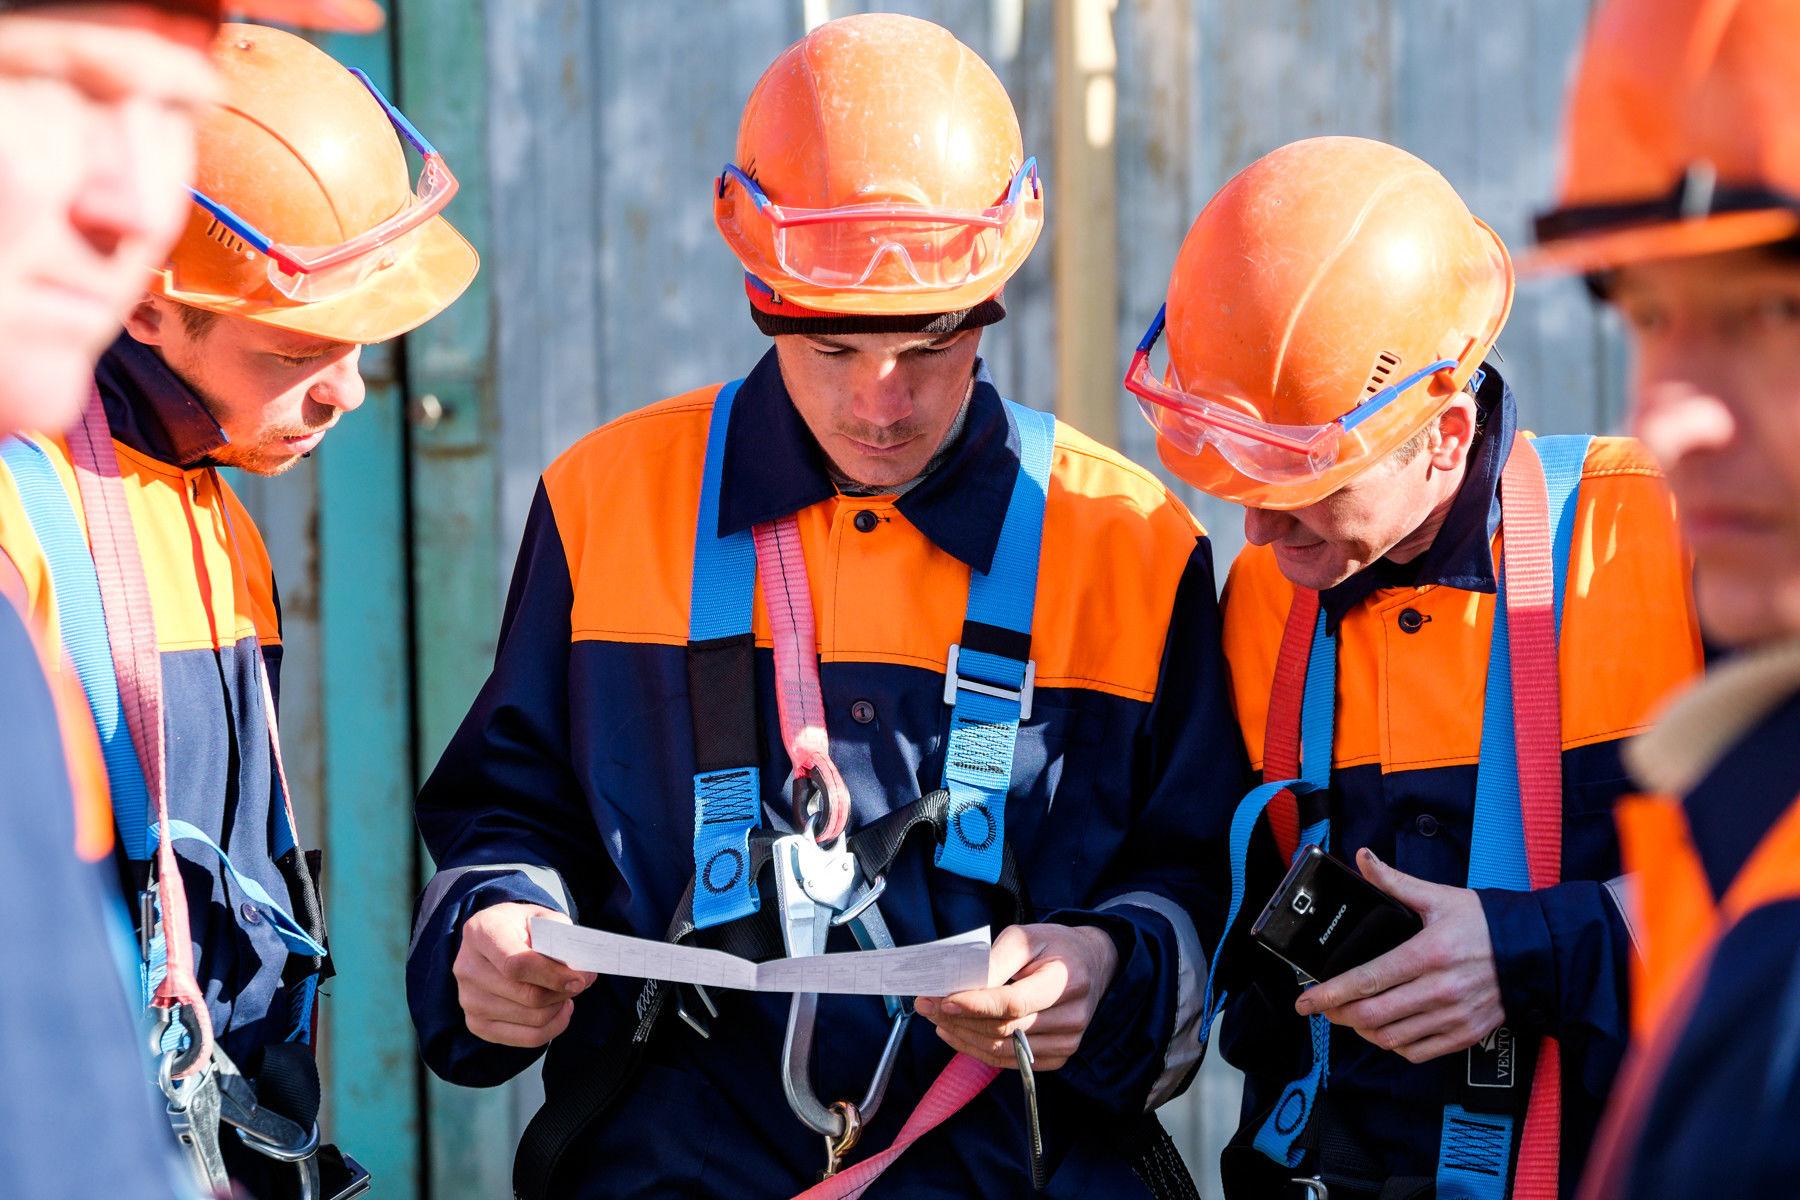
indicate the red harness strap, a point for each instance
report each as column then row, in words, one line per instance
column 1281, row 731
column 1537, row 731
column 131, row 633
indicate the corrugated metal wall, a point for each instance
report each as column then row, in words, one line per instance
column 586, row 134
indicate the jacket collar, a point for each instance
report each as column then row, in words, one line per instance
column 774, row 468
column 1702, row 723
column 151, row 410
column 1462, row 554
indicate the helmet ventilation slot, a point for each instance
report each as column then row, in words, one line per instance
column 1387, row 363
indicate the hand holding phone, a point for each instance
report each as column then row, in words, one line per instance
column 1325, row 918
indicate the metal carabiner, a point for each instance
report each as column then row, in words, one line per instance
column 812, row 885
column 1315, row 1187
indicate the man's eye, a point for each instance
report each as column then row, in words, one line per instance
column 1781, row 310
column 290, row 360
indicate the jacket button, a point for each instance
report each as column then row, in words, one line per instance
column 252, row 915
column 866, row 521
column 1427, row 825
column 1411, row 620
column 862, row 712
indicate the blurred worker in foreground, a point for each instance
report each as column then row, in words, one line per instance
column 97, row 104
column 1476, row 620
column 1008, row 710
column 170, row 616
column 1681, row 203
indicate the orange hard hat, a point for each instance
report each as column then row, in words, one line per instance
column 1335, row 286
column 880, row 170
column 1683, row 135
column 301, row 162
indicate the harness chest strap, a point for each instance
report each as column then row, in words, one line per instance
column 108, row 628
column 1517, row 837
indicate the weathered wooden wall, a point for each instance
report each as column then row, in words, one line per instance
column 586, row 134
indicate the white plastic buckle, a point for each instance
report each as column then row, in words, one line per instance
column 1021, row 696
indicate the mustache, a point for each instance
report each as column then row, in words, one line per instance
column 881, row 437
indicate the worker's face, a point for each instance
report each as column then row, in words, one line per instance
column 1392, row 509
column 879, row 404
column 274, row 393
column 1716, row 398
column 97, row 107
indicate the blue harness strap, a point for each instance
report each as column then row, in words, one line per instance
column 83, row 630
column 81, row 623
column 1476, row 1147
column 727, row 801
column 989, row 678
column 988, row 683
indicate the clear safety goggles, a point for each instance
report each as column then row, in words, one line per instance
column 1265, row 452
column 308, row 273
column 891, row 247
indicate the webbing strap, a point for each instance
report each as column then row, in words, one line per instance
column 727, row 799
column 799, row 700
column 958, row 1083
column 296, row 938
column 81, row 623
column 105, row 646
column 1281, row 729
column 990, row 684
column 1516, row 840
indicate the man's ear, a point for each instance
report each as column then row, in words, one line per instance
column 147, row 322
column 1455, row 434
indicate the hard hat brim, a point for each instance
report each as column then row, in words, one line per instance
column 415, row 289
column 1717, row 234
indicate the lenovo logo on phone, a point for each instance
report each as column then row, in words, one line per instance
column 1325, row 918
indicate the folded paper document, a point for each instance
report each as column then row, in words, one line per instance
column 939, row 968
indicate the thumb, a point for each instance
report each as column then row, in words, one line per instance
column 1012, row 951
column 1417, row 894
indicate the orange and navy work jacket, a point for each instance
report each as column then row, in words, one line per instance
column 214, row 601
column 570, row 783
column 1708, row 1106
column 1412, row 668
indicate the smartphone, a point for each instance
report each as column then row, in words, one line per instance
column 1326, row 918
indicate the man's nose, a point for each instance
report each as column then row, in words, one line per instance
column 1264, row 525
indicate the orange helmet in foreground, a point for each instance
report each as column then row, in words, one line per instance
column 880, row 170
column 1683, row 134
column 307, row 216
column 1327, row 303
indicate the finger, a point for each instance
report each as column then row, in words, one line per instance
column 528, row 966
column 987, row 1029
column 993, row 1053
column 1428, row 993
column 506, row 1034
column 1041, row 986
column 1014, row 948
column 473, row 972
column 1412, row 1029
column 484, row 1006
column 1437, row 1046
column 1398, row 966
column 1417, row 894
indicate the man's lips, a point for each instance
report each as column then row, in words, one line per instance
column 869, row 451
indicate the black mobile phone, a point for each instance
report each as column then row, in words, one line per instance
column 1326, row 918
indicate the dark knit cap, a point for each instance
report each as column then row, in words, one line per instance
column 776, row 316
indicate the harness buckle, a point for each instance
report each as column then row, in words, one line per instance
column 953, row 682
column 1314, row 1187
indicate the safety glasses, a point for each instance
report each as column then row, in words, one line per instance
column 887, row 247
column 307, row 273
column 1267, row 453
